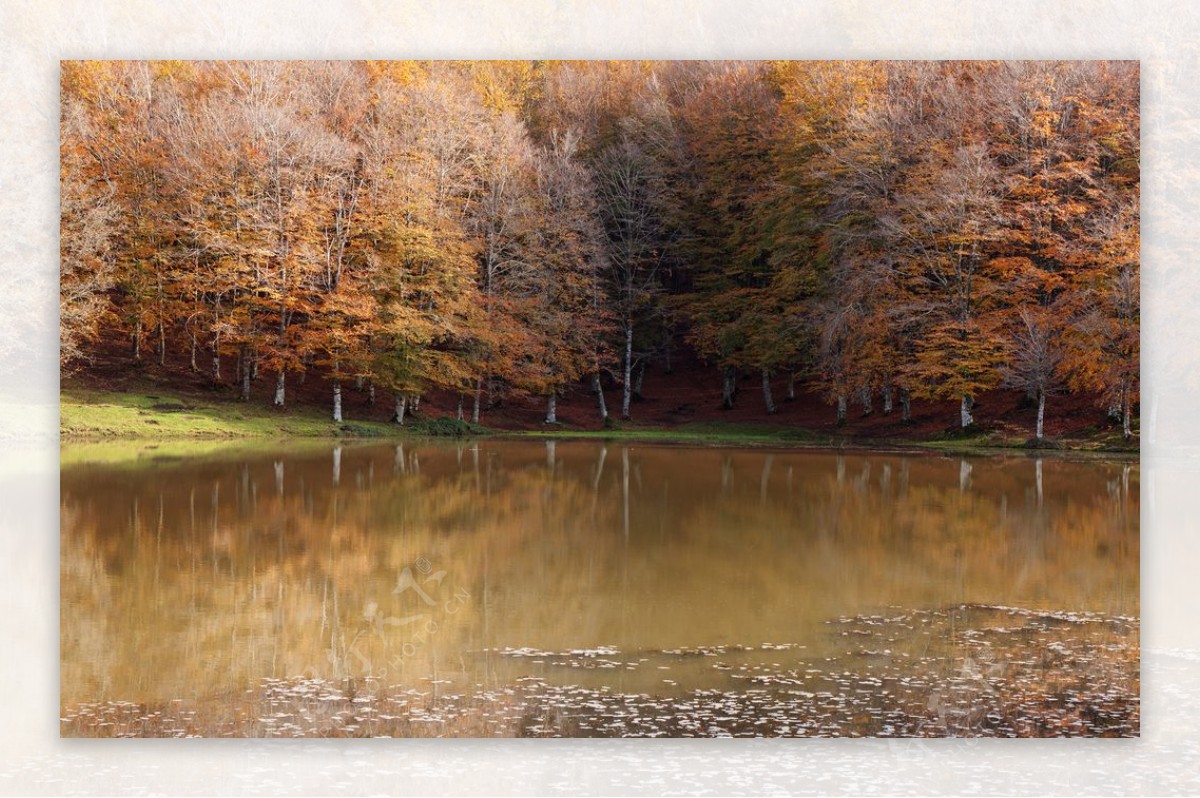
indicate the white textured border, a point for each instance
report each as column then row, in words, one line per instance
column 35, row 34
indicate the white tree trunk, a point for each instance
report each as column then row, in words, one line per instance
column 729, row 387
column 766, row 387
column 337, row 404
column 1126, row 412
column 841, row 408
column 964, row 410
column 401, row 406
column 551, row 407
column 791, row 385
column 478, row 398
column 905, row 406
column 887, row 400
column 459, row 413
column 279, row 389
column 1041, row 413
column 599, row 389
column 864, row 398
column 627, row 388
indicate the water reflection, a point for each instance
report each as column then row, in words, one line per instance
column 427, row 566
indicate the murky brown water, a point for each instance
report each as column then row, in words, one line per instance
column 523, row 587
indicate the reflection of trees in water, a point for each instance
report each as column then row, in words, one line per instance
column 200, row 577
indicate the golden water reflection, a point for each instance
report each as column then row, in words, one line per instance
column 469, row 566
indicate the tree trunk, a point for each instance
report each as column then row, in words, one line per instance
column 137, row 340
column 599, row 396
column 337, row 402
column 459, row 413
column 791, row 386
column 416, row 402
column 864, row 398
column 729, row 388
column 193, row 361
column 280, row 380
column 245, row 381
column 162, row 344
column 905, row 406
column 216, row 361
column 358, row 383
column 401, row 406
column 767, row 398
column 964, row 410
column 551, row 407
column 478, row 399
column 887, row 400
column 1126, row 412
column 627, row 388
column 371, row 393
column 637, row 381
column 841, row 409
column 1041, row 412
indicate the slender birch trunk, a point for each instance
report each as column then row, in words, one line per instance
column 280, row 382
column 401, row 406
column 627, row 388
column 1126, row 412
column 551, row 408
column 1041, row 412
column 337, row 402
column 766, row 387
column 964, row 410
column 599, row 389
column 729, row 388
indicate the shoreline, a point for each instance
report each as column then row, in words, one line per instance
column 177, row 421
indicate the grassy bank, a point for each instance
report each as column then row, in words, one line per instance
column 755, row 435
column 91, row 415
column 188, row 421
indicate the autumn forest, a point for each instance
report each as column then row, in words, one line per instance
column 873, row 233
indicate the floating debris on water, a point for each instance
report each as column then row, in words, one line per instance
column 967, row 671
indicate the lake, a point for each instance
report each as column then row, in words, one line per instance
column 586, row 588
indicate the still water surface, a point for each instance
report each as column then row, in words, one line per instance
column 467, row 575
